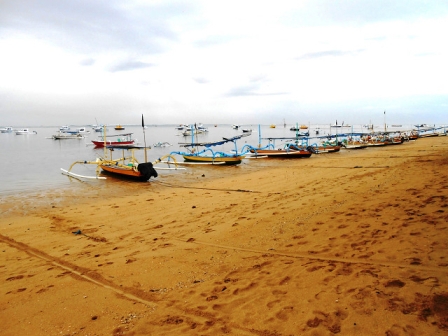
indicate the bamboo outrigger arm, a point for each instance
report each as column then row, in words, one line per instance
column 170, row 157
column 97, row 162
column 117, row 162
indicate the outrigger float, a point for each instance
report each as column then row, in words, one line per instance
column 125, row 165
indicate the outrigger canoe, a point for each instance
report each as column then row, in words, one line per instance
column 120, row 139
column 124, row 166
column 288, row 152
column 207, row 155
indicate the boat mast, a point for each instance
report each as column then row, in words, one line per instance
column 105, row 142
column 144, row 138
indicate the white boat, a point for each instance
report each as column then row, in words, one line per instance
column 67, row 135
column 82, row 130
column 234, row 126
column 25, row 131
column 196, row 129
column 162, row 144
column 6, row 130
column 247, row 130
column 336, row 125
column 64, row 128
column 181, row 127
column 100, row 129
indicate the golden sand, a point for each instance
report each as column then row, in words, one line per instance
column 350, row 243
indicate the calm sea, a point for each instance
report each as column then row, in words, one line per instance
column 31, row 163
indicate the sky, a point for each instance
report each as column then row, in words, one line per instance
column 223, row 62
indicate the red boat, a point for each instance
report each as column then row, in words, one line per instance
column 120, row 139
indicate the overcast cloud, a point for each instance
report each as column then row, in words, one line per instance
column 247, row 62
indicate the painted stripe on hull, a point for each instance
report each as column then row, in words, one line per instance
column 101, row 143
column 217, row 160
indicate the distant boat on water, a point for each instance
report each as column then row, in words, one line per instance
column 195, row 129
column 67, row 135
column 25, row 131
column 117, row 139
column 119, row 128
column 301, row 127
column 6, row 130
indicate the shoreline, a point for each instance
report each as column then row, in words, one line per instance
column 351, row 242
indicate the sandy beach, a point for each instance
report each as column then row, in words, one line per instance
column 349, row 243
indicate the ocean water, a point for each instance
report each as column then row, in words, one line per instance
column 32, row 163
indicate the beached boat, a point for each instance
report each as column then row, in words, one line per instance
column 6, row 130
column 25, row 131
column 353, row 144
column 413, row 135
column 116, row 139
column 126, row 165
column 119, row 128
column 428, row 134
column 203, row 153
column 289, row 151
column 324, row 147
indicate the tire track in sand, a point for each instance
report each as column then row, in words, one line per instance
column 318, row 257
column 76, row 271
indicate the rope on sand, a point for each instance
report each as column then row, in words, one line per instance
column 217, row 189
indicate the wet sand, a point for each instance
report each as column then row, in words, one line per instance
column 350, row 243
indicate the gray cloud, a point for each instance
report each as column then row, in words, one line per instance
column 87, row 62
column 92, row 26
column 327, row 53
column 129, row 65
column 201, row 80
column 329, row 12
column 250, row 90
column 212, row 40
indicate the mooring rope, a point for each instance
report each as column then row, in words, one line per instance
column 203, row 188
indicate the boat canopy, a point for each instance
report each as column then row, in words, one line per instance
column 126, row 146
column 117, row 135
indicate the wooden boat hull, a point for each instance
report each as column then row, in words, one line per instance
column 227, row 160
column 328, row 149
column 100, row 143
column 67, row 136
column 282, row 153
column 355, row 146
column 143, row 173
